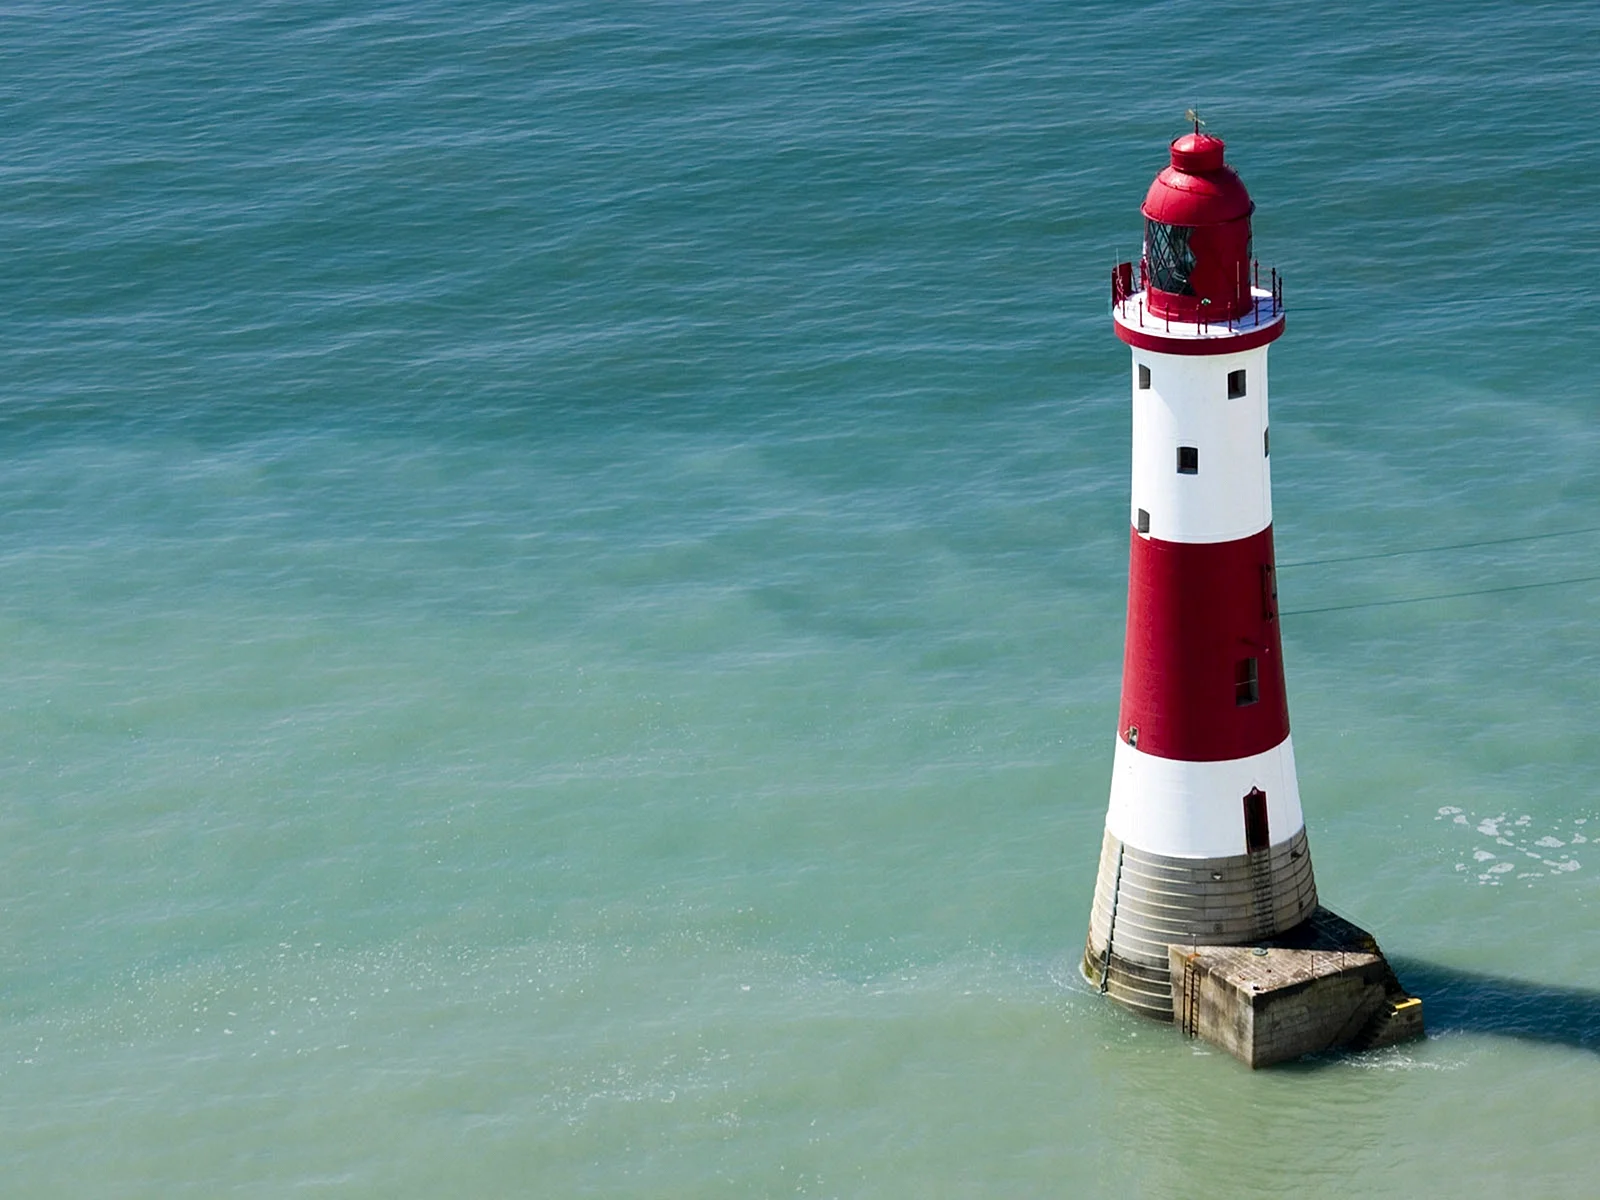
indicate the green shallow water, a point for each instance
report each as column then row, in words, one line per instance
column 563, row 593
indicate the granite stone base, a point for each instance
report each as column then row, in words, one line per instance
column 1322, row 985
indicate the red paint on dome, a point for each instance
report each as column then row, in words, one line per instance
column 1198, row 152
column 1195, row 610
column 1198, row 188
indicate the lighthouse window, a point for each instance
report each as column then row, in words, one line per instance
column 1235, row 384
column 1246, row 685
column 1188, row 460
column 1144, row 378
column 1166, row 247
column 1266, row 443
column 1144, row 521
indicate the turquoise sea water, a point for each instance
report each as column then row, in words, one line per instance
column 563, row 592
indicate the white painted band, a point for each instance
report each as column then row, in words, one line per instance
column 1196, row 809
column 1187, row 404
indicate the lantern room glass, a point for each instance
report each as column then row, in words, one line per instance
column 1166, row 249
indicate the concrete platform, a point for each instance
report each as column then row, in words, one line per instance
column 1322, row 985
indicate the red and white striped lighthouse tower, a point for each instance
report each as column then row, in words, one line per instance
column 1204, row 839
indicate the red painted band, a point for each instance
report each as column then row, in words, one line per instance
column 1196, row 612
column 1219, row 343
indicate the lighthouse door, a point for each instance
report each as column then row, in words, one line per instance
column 1257, row 836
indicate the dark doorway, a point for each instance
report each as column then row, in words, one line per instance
column 1257, row 836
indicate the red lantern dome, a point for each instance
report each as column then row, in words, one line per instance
column 1197, row 252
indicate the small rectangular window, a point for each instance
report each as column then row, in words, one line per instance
column 1235, row 384
column 1269, row 593
column 1144, row 521
column 1246, row 686
column 1188, row 460
column 1144, row 378
column 1266, row 444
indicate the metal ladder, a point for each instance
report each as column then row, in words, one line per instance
column 1189, row 1015
column 1261, row 896
column 1111, row 924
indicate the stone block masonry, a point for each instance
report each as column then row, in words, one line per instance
column 1323, row 985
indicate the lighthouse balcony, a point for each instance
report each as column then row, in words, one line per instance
column 1133, row 312
column 1140, row 323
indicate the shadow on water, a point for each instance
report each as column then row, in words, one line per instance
column 1465, row 1001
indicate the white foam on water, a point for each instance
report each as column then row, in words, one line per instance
column 1516, row 833
column 1400, row 1058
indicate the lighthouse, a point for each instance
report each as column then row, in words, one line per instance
column 1204, row 837
column 1205, row 905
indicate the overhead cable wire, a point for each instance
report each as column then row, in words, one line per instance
column 1516, row 587
column 1527, row 537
